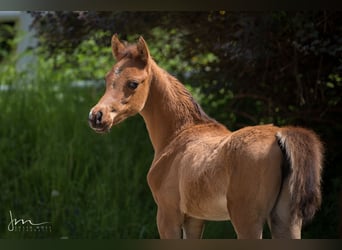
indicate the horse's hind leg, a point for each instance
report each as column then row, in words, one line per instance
column 281, row 222
column 284, row 229
column 192, row 228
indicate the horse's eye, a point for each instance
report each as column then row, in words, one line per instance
column 132, row 85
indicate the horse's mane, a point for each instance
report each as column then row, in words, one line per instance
column 183, row 102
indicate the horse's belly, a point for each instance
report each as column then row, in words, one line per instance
column 214, row 208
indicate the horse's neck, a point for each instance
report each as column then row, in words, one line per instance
column 168, row 109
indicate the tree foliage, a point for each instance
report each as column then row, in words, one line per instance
column 251, row 68
column 287, row 63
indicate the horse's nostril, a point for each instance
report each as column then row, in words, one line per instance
column 98, row 117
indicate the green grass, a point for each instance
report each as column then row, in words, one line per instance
column 55, row 168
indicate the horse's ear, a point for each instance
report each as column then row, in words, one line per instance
column 143, row 51
column 117, row 47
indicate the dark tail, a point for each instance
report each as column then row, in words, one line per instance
column 304, row 154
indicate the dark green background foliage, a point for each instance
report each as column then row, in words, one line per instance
column 244, row 69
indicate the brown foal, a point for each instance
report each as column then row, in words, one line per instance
column 201, row 170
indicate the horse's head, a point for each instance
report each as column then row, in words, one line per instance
column 127, row 86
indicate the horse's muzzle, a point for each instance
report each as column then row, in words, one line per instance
column 95, row 121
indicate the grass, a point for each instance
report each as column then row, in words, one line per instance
column 55, row 168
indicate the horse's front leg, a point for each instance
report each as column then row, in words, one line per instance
column 169, row 222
